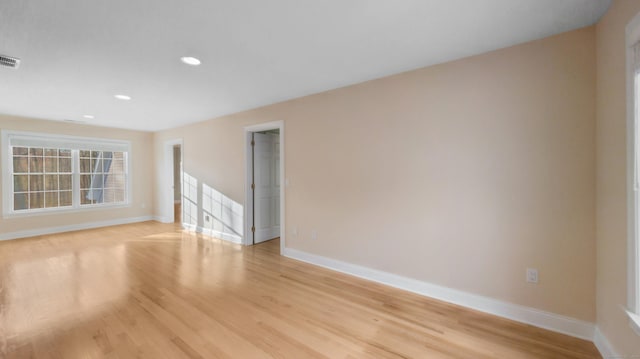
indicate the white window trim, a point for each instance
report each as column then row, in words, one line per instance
column 55, row 140
column 633, row 190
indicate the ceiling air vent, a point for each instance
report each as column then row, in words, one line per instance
column 8, row 61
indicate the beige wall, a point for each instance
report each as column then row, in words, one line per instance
column 142, row 175
column 611, row 177
column 462, row 174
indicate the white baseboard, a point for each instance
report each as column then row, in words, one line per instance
column 72, row 227
column 536, row 317
column 163, row 219
column 604, row 347
column 213, row 233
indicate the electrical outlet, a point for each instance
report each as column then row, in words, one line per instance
column 294, row 231
column 532, row 275
column 314, row 234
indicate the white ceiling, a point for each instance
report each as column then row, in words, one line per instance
column 76, row 54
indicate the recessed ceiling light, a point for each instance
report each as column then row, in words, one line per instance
column 90, row 117
column 190, row 61
column 123, row 97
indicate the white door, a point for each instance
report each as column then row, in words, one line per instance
column 266, row 177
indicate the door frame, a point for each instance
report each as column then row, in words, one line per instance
column 168, row 198
column 248, row 198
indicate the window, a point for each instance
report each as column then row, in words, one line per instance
column 637, row 184
column 41, row 178
column 47, row 173
column 102, row 177
column 633, row 156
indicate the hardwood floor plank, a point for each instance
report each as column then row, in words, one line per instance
column 151, row 290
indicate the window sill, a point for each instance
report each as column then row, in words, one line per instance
column 634, row 322
column 88, row 208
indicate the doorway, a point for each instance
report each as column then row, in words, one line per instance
column 177, row 183
column 171, row 199
column 265, row 148
column 264, row 195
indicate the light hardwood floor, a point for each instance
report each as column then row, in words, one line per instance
column 150, row 290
